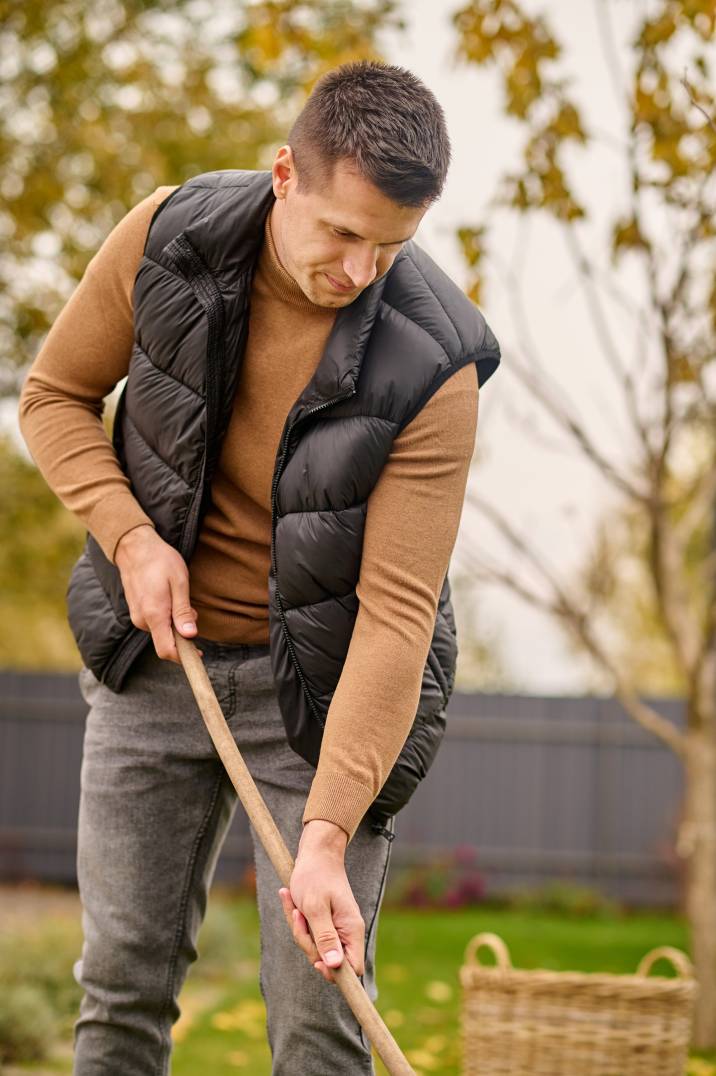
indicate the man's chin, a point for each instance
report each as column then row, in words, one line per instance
column 325, row 296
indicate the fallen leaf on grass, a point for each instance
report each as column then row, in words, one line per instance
column 194, row 1002
column 422, row 1058
column 248, row 1016
column 238, row 1058
column 430, row 1016
column 438, row 990
column 697, row 1066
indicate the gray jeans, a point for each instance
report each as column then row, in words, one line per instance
column 154, row 810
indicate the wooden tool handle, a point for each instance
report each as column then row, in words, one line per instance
column 348, row 982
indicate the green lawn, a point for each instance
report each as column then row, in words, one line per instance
column 222, row 1030
column 419, row 956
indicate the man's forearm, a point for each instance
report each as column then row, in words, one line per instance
column 366, row 727
column 72, row 451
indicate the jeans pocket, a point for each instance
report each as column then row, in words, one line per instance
column 222, row 681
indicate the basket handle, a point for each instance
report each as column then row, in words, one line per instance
column 679, row 959
column 491, row 941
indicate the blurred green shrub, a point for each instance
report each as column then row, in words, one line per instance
column 566, row 898
column 39, row 542
column 449, row 881
column 39, row 996
column 28, row 1025
column 220, row 943
column 42, row 956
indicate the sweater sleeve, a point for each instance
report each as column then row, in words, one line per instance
column 411, row 526
column 84, row 355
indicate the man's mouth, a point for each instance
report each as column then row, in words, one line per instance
column 337, row 284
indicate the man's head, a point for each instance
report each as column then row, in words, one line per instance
column 364, row 160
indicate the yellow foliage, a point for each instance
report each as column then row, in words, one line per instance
column 105, row 133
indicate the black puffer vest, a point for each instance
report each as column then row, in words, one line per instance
column 387, row 353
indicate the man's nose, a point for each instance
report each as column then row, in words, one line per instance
column 361, row 268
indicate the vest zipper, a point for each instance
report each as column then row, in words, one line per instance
column 274, row 488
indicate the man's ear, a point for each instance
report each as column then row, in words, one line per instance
column 283, row 170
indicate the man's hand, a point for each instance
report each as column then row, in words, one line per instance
column 156, row 585
column 320, row 900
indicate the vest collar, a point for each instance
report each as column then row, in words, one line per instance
column 232, row 236
column 342, row 357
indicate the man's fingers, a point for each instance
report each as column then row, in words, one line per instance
column 326, row 938
column 325, row 972
column 355, row 949
column 298, row 925
column 183, row 615
column 316, row 935
column 159, row 621
column 287, row 904
column 164, row 642
column 301, row 934
column 333, row 946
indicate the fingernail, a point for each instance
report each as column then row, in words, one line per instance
column 333, row 954
column 188, row 626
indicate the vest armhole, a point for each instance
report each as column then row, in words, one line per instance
column 162, row 205
column 430, row 391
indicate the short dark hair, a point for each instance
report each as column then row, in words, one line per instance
column 384, row 119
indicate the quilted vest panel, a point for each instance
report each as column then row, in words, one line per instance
column 386, row 355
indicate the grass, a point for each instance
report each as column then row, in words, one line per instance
column 417, row 973
column 222, row 1028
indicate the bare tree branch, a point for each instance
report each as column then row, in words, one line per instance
column 535, row 381
column 571, row 425
column 667, row 559
column 687, row 86
column 666, row 547
column 705, row 695
column 611, row 55
column 699, row 499
column 565, row 609
column 601, row 328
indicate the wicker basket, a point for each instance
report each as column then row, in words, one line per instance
column 568, row 1023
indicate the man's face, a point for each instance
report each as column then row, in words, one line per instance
column 347, row 232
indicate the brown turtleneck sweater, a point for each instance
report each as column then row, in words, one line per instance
column 412, row 515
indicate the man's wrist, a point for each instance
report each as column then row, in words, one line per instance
column 320, row 833
column 131, row 538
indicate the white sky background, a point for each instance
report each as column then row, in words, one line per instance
column 550, row 495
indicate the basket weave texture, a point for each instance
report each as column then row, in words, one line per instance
column 567, row 1023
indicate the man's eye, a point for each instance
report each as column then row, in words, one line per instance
column 349, row 235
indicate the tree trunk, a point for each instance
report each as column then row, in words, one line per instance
column 697, row 845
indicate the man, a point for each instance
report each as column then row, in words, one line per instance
column 284, row 486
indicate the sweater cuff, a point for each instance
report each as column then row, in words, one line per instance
column 112, row 517
column 338, row 799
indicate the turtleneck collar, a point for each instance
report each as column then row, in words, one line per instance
column 279, row 281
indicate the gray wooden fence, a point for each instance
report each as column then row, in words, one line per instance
column 543, row 788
